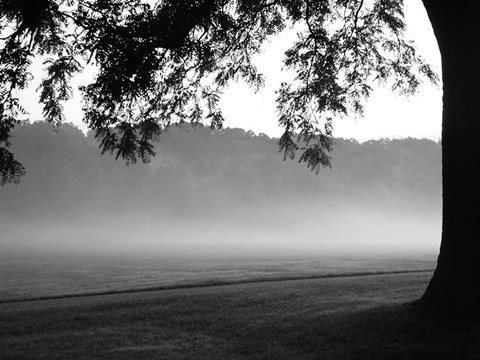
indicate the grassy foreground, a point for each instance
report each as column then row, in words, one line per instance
column 334, row 318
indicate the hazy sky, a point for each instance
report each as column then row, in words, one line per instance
column 386, row 115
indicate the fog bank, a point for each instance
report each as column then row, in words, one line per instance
column 221, row 194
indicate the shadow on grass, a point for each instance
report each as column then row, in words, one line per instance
column 252, row 329
column 387, row 332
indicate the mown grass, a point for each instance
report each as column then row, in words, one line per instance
column 37, row 275
column 336, row 318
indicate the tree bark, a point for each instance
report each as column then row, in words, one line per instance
column 455, row 286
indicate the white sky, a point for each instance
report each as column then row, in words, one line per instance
column 386, row 114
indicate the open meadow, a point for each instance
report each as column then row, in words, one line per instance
column 361, row 317
column 26, row 275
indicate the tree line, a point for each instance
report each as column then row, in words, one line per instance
column 198, row 169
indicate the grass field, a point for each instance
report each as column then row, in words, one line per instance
column 336, row 318
column 33, row 275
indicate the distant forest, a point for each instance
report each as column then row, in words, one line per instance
column 201, row 172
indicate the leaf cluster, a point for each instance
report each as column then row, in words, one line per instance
column 169, row 63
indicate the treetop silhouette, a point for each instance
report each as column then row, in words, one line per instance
column 169, row 63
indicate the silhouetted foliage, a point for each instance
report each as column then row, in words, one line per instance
column 169, row 63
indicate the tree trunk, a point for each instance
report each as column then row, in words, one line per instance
column 455, row 286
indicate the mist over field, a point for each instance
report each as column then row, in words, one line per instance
column 210, row 193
